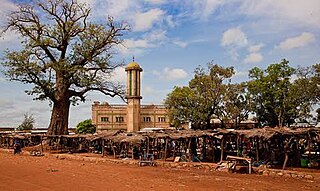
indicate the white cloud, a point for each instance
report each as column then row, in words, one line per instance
column 140, row 43
column 145, row 20
column 5, row 8
column 119, row 9
column 298, row 41
column 169, row 20
column 204, row 8
column 241, row 74
column 157, row 2
column 180, row 43
column 119, row 75
column 171, row 74
column 253, row 58
column 299, row 12
column 90, row 3
column 255, row 48
column 17, row 104
column 156, row 36
column 234, row 37
column 10, row 39
column 149, row 40
column 147, row 90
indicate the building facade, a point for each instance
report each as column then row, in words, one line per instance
column 132, row 116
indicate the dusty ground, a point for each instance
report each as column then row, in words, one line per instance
column 22, row 172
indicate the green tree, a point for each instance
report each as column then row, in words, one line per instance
column 27, row 123
column 271, row 92
column 64, row 55
column 306, row 90
column 203, row 98
column 210, row 87
column 237, row 104
column 181, row 105
column 85, row 126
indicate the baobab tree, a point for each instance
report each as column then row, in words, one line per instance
column 64, row 55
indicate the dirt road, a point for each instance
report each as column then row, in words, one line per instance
column 21, row 172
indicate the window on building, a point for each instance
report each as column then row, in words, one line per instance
column 146, row 119
column 119, row 119
column 104, row 119
column 161, row 119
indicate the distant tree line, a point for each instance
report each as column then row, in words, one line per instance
column 276, row 96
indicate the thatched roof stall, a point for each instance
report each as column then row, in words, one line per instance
column 208, row 142
column 132, row 138
column 263, row 133
column 267, row 132
column 106, row 135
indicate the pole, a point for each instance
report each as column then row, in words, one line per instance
column 222, row 150
column 165, row 150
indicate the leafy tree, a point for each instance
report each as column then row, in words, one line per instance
column 27, row 123
column 309, row 79
column 85, row 126
column 272, row 94
column 237, row 104
column 315, row 80
column 181, row 105
column 210, row 87
column 203, row 98
column 64, row 55
column 306, row 87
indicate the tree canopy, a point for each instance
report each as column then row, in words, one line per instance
column 64, row 55
column 276, row 96
column 271, row 91
column 203, row 99
column 85, row 127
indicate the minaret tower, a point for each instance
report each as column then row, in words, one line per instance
column 133, row 96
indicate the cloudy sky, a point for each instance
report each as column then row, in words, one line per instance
column 170, row 38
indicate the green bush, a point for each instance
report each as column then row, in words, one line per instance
column 85, row 126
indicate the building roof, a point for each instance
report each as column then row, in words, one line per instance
column 133, row 65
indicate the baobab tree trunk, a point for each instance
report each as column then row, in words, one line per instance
column 59, row 117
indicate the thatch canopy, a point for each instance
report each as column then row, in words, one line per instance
column 128, row 138
column 267, row 132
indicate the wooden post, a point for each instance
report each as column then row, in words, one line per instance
column 221, row 147
column 309, row 147
column 102, row 149
column 285, row 160
column 257, row 150
column 165, row 150
column 204, row 150
column 237, row 145
column 41, row 146
column 132, row 153
column 174, row 149
column 148, row 142
column 213, row 155
column 286, row 150
column 114, row 151
column 189, row 149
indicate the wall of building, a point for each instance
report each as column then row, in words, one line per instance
column 154, row 116
column 109, row 117
column 114, row 117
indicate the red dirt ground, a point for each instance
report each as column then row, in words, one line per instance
column 22, row 172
